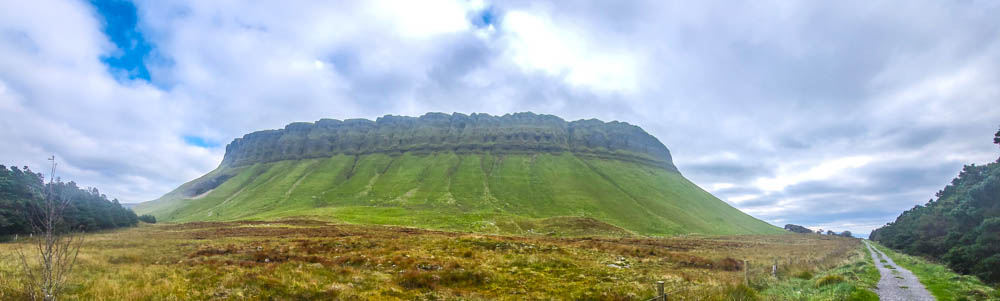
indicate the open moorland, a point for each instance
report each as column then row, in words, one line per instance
column 306, row 259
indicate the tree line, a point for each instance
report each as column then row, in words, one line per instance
column 801, row 229
column 961, row 227
column 23, row 191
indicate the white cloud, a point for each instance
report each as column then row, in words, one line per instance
column 537, row 44
column 421, row 19
column 59, row 99
column 822, row 171
column 736, row 199
column 721, row 186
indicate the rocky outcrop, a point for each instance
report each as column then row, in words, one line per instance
column 511, row 133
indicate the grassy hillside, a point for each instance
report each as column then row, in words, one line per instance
column 545, row 193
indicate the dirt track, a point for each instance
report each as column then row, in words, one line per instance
column 897, row 283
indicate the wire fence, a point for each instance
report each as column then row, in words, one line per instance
column 660, row 295
column 770, row 269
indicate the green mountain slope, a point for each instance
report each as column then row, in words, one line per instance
column 568, row 187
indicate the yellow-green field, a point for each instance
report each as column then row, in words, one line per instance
column 305, row 259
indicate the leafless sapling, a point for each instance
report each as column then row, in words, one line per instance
column 53, row 248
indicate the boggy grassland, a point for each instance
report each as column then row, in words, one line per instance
column 305, row 259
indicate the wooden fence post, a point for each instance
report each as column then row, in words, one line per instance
column 746, row 272
column 774, row 268
column 659, row 291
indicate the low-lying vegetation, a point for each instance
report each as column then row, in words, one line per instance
column 305, row 259
column 854, row 279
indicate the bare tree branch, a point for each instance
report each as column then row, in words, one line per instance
column 55, row 253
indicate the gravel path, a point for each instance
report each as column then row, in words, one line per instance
column 897, row 283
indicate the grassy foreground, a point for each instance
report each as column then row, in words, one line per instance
column 854, row 279
column 305, row 259
column 480, row 192
column 941, row 281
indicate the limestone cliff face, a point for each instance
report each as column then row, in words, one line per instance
column 511, row 133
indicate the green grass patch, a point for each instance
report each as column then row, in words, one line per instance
column 854, row 279
column 741, row 292
column 805, row 275
column 829, row 279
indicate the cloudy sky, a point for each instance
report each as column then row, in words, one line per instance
column 829, row 114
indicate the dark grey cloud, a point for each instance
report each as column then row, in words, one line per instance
column 916, row 137
column 826, row 114
column 727, row 171
column 760, row 202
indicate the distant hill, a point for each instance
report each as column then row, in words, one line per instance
column 517, row 173
column 961, row 227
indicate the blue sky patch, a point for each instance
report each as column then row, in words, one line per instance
column 485, row 18
column 199, row 141
column 120, row 25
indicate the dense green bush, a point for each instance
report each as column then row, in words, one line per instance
column 961, row 227
column 22, row 191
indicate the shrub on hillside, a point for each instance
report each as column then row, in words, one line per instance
column 147, row 218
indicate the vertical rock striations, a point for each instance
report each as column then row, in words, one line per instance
column 511, row 133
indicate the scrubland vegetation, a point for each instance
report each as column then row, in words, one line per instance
column 296, row 259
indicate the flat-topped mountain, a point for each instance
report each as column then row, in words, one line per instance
column 433, row 132
column 516, row 173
